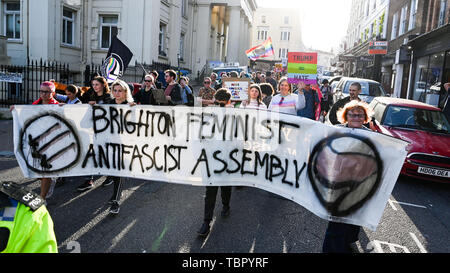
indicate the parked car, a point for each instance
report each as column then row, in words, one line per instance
column 370, row 89
column 427, row 130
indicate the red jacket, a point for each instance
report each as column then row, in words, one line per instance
column 39, row 101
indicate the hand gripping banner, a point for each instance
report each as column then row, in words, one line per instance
column 339, row 174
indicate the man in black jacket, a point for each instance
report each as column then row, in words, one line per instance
column 173, row 89
column 354, row 91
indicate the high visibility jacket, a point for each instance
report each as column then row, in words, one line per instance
column 29, row 232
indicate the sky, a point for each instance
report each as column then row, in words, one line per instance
column 324, row 22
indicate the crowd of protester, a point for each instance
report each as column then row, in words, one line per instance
column 264, row 93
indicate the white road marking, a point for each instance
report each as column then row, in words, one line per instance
column 422, row 249
column 391, row 202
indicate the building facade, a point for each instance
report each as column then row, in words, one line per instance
column 430, row 57
column 79, row 32
column 368, row 23
column 407, row 20
column 283, row 26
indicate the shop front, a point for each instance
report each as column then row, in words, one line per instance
column 430, row 67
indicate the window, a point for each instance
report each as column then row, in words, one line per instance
column 442, row 13
column 162, row 38
column 262, row 35
column 12, row 20
column 263, row 19
column 286, row 20
column 68, row 27
column 108, row 28
column 184, row 7
column 394, row 26
column 182, row 40
column 283, row 53
column 413, row 14
column 403, row 20
column 285, row 36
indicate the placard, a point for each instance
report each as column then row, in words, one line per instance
column 302, row 67
column 238, row 88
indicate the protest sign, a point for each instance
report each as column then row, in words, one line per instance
column 339, row 174
column 238, row 88
column 302, row 67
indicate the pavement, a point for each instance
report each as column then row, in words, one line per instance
column 6, row 133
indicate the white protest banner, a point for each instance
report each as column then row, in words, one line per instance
column 339, row 174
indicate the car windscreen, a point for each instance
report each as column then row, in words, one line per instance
column 414, row 118
column 368, row 89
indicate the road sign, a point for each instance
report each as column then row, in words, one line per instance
column 378, row 48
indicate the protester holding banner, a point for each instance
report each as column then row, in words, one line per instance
column 340, row 236
column 254, row 99
column 71, row 96
column 173, row 89
column 222, row 98
column 121, row 94
column 206, row 93
column 285, row 102
column 145, row 95
column 98, row 93
column 46, row 93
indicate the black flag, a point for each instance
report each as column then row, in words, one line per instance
column 117, row 60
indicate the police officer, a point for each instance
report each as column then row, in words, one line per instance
column 25, row 223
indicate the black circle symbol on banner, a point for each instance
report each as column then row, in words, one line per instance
column 44, row 140
column 345, row 171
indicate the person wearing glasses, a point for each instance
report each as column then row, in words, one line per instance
column 206, row 93
column 340, row 237
column 354, row 91
column 47, row 92
column 145, row 95
column 286, row 102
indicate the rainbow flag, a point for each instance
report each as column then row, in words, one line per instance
column 261, row 51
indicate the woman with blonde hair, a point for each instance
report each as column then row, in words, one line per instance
column 145, row 95
column 121, row 94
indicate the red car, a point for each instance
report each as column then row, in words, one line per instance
column 427, row 130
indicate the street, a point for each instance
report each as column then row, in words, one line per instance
column 160, row 217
